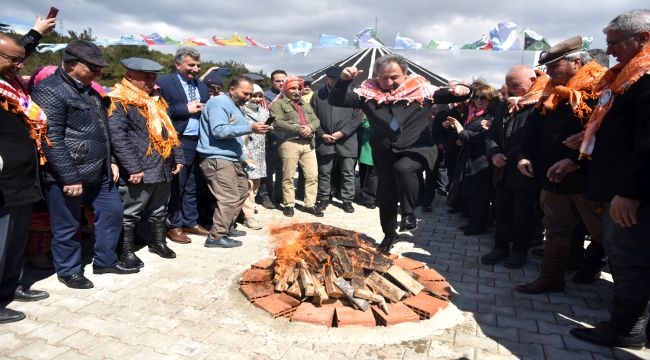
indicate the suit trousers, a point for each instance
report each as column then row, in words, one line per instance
column 183, row 206
column 14, row 232
column 515, row 218
column 228, row 183
column 344, row 171
column 65, row 217
column 144, row 200
column 294, row 153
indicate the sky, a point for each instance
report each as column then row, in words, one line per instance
column 284, row 21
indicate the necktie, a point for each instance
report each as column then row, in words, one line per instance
column 192, row 90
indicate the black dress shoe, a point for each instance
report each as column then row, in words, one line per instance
column 387, row 243
column 408, row 223
column 288, row 211
column 605, row 335
column 9, row 316
column 315, row 211
column 347, row 207
column 119, row 269
column 23, row 294
column 76, row 281
column 322, row 204
column 224, row 242
column 161, row 249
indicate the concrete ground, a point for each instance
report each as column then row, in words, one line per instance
column 190, row 307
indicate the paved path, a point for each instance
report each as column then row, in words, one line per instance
column 190, row 307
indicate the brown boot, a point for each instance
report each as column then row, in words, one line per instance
column 551, row 273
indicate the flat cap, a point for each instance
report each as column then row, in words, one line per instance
column 85, row 51
column 213, row 78
column 561, row 49
column 334, row 72
column 254, row 77
column 307, row 79
column 140, row 64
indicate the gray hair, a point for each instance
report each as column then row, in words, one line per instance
column 390, row 58
column 582, row 55
column 184, row 51
column 630, row 22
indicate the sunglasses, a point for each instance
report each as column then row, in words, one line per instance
column 91, row 67
column 480, row 97
column 16, row 60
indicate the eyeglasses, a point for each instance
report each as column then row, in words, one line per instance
column 91, row 67
column 616, row 42
column 480, row 97
column 16, row 60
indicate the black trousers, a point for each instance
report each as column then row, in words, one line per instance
column 515, row 218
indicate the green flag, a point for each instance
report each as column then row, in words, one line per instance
column 534, row 41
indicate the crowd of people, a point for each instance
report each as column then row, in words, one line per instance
column 560, row 154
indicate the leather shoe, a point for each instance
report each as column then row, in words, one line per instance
column 347, row 207
column 322, row 204
column 288, row 211
column 408, row 223
column 387, row 243
column 606, row 335
column 8, row 315
column 119, row 268
column 315, row 211
column 224, row 242
column 177, row 235
column 23, row 294
column 196, row 230
column 76, row 281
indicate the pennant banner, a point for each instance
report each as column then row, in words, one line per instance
column 333, row 41
column 406, row 43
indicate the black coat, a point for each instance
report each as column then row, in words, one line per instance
column 506, row 136
column 413, row 135
column 130, row 141
column 620, row 162
column 543, row 147
column 172, row 91
column 333, row 119
column 77, row 129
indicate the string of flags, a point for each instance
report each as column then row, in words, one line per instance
column 503, row 37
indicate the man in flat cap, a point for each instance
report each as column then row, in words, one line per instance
column 148, row 153
column 79, row 169
column 336, row 145
column 214, row 82
column 566, row 103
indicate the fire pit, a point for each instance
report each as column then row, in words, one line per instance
column 332, row 276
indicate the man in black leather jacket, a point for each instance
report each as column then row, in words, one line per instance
column 78, row 169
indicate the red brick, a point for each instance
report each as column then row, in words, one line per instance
column 310, row 313
column 257, row 290
column 256, row 275
column 346, row 316
column 279, row 304
column 428, row 275
column 425, row 305
column 408, row 263
column 264, row 264
column 397, row 313
column 441, row 288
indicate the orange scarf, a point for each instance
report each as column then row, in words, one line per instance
column 532, row 96
column 18, row 102
column 580, row 88
column 153, row 109
column 615, row 82
column 414, row 88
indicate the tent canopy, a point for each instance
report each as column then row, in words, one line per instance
column 364, row 59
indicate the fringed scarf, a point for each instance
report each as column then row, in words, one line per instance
column 615, row 82
column 532, row 96
column 580, row 88
column 153, row 109
column 18, row 102
column 414, row 88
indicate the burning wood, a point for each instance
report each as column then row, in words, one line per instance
column 316, row 262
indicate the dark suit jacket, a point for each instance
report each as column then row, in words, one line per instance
column 172, row 91
column 333, row 119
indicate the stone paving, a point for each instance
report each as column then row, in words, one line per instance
column 190, row 307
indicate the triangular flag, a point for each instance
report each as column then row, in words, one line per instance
column 406, row 43
column 482, row 44
column 367, row 38
column 440, row 45
column 300, row 46
column 333, row 41
column 234, row 40
column 259, row 44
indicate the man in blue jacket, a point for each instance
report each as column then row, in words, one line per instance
column 220, row 158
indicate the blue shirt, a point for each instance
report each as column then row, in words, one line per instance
column 221, row 128
column 192, row 128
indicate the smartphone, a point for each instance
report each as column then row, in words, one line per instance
column 269, row 121
column 53, row 13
